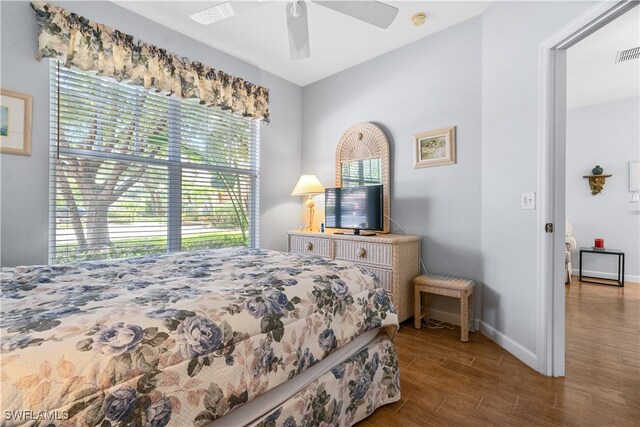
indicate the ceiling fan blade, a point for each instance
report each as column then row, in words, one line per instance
column 373, row 12
column 298, row 28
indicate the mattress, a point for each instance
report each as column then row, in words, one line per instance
column 177, row 339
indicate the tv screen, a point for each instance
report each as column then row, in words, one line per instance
column 358, row 208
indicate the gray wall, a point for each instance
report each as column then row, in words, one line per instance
column 429, row 84
column 480, row 75
column 608, row 135
column 511, row 35
column 24, row 180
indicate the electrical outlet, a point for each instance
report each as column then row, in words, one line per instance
column 528, row 200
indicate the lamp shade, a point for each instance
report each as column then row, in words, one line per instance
column 307, row 184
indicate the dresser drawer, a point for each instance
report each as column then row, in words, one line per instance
column 363, row 252
column 310, row 246
column 385, row 276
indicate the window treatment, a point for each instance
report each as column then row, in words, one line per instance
column 87, row 45
column 134, row 172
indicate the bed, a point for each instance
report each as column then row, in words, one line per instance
column 221, row 337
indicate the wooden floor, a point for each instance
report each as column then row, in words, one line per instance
column 447, row 382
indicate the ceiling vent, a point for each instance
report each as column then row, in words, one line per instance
column 213, row 14
column 627, row 55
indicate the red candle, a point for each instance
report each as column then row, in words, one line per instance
column 599, row 243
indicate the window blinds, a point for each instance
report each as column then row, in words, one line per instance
column 135, row 172
column 362, row 172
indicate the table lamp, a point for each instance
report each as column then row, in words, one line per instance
column 308, row 185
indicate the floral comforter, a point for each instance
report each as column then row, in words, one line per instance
column 179, row 339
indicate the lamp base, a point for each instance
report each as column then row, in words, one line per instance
column 310, row 204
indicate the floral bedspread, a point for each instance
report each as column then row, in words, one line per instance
column 346, row 394
column 178, row 339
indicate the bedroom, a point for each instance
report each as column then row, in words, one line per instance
column 453, row 73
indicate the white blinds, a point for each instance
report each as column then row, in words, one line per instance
column 136, row 172
column 361, row 172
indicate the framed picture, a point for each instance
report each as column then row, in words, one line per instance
column 435, row 147
column 15, row 123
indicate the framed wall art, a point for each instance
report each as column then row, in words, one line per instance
column 15, row 123
column 435, row 147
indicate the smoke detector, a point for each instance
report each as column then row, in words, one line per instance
column 628, row 55
column 419, row 18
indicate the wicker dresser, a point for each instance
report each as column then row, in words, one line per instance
column 392, row 257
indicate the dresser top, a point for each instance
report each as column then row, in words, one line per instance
column 378, row 238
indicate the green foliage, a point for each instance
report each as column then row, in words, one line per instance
column 151, row 245
column 131, row 125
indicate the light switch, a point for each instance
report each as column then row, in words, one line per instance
column 528, row 200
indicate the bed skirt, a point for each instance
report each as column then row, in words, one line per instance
column 346, row 394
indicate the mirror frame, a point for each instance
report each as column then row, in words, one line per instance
column 364, row 141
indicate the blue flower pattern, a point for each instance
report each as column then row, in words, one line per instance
column 196, row 307
column 345, row 394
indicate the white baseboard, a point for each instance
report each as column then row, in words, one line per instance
column 453, row 318
column 604, row 275
column 527, row 356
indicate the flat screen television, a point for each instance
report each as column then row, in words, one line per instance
column 355, row 208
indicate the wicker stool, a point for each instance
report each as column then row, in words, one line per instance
column 447, row 286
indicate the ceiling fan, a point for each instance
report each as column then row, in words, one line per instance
column 370, row 11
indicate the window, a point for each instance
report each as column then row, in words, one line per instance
column 136, row 172
column 362, row 172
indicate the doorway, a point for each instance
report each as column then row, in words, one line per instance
column 552, row 168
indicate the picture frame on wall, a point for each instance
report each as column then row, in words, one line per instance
column 435, row 147
column 15, row 122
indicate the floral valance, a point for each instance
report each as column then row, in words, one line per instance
column 78, row 42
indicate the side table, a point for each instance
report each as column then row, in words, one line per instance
column 615, row 252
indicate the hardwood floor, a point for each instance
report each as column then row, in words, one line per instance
column 447, row 382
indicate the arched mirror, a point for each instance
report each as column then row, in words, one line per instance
column 362, row 158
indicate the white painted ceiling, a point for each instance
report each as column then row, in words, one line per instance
column 258, row 34
column 593, row 77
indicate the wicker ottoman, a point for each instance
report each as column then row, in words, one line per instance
column 447, row 286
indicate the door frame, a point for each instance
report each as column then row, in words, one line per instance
column 552, row 77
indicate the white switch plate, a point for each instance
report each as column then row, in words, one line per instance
column 528, row 200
